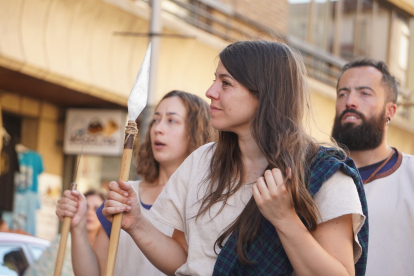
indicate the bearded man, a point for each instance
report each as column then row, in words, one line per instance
column 366, row 102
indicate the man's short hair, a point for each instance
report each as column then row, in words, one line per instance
column 388, row 81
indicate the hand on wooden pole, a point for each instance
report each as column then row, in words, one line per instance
column 63, row 240
column 130, row 134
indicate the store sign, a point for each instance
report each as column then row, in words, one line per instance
column 100, row 131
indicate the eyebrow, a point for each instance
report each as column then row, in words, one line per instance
column 168, row 113
column 364, row 87
column 224, row 75
column 357, row 88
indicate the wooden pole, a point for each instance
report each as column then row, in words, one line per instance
column 63, row 240
column 130, row 133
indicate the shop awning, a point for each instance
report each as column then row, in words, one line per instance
column 29, row 86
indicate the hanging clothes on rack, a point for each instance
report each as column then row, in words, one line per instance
column 26, row 197
column 9, row 165
column 26, row 183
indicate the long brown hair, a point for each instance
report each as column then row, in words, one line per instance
column 198, row 128
column 275, row 75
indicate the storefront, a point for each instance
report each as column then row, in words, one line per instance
column 33, row 130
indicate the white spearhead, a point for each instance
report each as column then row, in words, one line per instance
column 138, row 98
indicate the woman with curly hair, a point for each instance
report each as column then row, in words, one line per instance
column 181, row 124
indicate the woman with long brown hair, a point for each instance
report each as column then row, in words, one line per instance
column 265, row 199
column 180, row 125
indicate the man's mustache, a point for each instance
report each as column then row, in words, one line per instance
column 359, row 114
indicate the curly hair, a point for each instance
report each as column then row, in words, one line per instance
column 198, row 128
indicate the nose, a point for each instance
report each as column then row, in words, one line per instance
column 90, row 210
column 158, row 126
column 352, row 101
column 212, row 93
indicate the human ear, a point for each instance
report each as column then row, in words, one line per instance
column 390, row 109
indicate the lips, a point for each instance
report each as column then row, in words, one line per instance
column 214, row 108
column 351, row 115
column 158, row 144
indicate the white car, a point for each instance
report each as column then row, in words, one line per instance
column 17, row 252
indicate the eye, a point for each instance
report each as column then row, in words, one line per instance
column 171, row 121
column 226, row 83
column 155, row 120
column 365, row 93
column 341, row 94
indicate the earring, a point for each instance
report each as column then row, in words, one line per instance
column 388, row 121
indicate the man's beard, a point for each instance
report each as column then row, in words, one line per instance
column 368, row 135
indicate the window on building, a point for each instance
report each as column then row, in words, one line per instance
column 363, row 27
column 380, row 35
column 298, row 17
column 351, row 28
column 322, row 23
column 399, row 47
column 347, row 30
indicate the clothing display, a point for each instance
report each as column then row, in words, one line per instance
column 179, row 203
column 390, row 197
column 8, row 167
column 130, row 260
column 26, row 198
column 30, row 167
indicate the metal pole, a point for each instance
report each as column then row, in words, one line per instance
column 155, row 28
